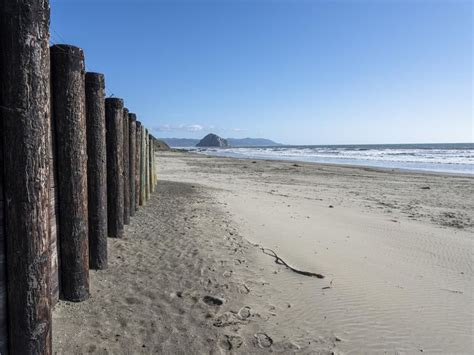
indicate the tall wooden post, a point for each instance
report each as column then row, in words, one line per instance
column 147, row 167
column 142, row 167
column 25, row 112
column 126, row 167
column 114, row 138
column 138, row 175
column 150, row 162
column 132, row 161
column 96, row 170
column 53, row 216
column 68, row 80
column 3, row 262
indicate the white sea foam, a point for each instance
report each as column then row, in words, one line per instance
column 456, row 158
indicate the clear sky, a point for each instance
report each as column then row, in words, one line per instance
column 298, row 72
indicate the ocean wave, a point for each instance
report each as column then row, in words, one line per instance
column 419, row 158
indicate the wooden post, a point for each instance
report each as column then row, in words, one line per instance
column 3, row 262
column 150, row 163
column 142, row 168
column 138, row 175
column 68, row 80
column 114, row 138
column 126, row 167
column 96, row 170
column 25, row 112
column 132, row 161
column 147, row 167
column 53, row 216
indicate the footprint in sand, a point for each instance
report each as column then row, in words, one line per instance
column 213, row 301
column 244, row 312
column 231, row 342
column 263, row 340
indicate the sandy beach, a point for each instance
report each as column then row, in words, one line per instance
column 395, row 249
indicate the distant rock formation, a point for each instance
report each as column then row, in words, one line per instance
column 212, row 140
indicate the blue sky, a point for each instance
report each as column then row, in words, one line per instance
column 298, row 72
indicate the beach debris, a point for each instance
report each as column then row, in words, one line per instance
column 452, row 291
column 425, row 188
column 263, row 340
column 331, row 206
column 296, row 165
column 280, row 261
column 213, row 301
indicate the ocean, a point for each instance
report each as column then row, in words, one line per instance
column 449, row 158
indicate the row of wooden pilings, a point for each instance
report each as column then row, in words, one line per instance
column 74, row 166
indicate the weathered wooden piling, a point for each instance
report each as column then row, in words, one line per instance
column 142, row 167
column 126, row 167
column 147, row 167
column 114, row 138
column 132, row 161
column 3, row 262
column 69, row 111
column 96, row 170
column 150, row 162
column 138, row 161
column 53, row 216
column 25, row 112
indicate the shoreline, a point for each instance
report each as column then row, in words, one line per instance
column 340, row 165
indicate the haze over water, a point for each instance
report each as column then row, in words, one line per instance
column 450, row 158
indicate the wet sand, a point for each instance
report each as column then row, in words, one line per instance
column 395, row 249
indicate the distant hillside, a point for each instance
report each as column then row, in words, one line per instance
column 251, row 142
column 233, row 142
column 180, row 142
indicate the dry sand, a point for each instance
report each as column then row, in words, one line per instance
column 395, row 248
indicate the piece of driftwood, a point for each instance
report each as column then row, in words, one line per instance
column 69, row 112
column 126, row 167
column 96, row 170
column 138, row 160
column 132, row 161
column 114, row 139
column 280, row 261
column 25, row 114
